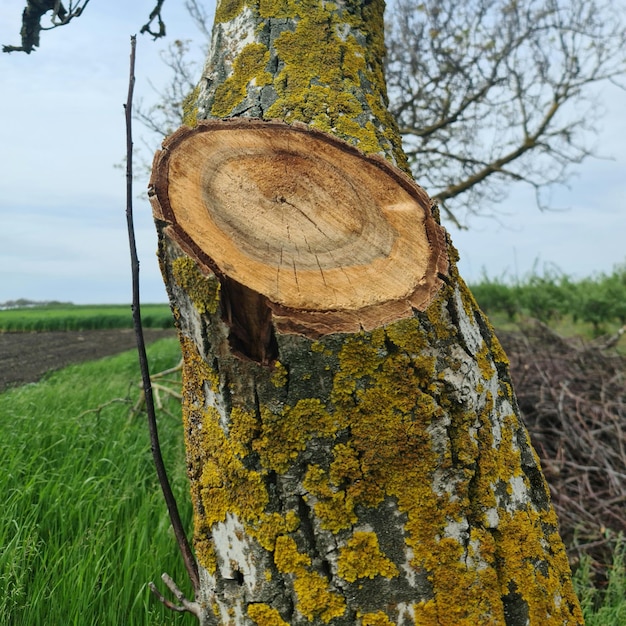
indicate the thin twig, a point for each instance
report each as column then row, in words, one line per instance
column 177, row 525
column 104, row 405
column 185, row 604
column 155, row 14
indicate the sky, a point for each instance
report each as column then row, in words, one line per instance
column 62, row 200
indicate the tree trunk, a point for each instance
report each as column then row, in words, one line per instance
column 354, row 445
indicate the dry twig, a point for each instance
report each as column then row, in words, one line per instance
column 172, row 507
column 573, row 399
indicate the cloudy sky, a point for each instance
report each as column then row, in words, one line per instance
column 62, row 201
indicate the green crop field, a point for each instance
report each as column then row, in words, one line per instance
column 589, row 306
column 64, row 316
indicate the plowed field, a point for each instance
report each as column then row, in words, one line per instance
column 26, row 357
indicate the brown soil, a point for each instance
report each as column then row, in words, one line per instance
column 26, row 357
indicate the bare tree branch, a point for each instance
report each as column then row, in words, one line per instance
column 165, row 116
column 155, row 14
column 185, row 606
column 33, row 14
column 490, row 92
column 200, row 17
column 170, row 500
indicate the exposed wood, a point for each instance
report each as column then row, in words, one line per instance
column 302, row 218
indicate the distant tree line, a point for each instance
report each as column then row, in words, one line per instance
column 597, row 300
column 25, row 302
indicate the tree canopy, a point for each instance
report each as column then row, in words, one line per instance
column 491, row 92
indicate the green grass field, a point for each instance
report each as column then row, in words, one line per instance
column 605, row 607
column 82, row 317
column 83, row 525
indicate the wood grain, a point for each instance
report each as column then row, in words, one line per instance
column 333, row 239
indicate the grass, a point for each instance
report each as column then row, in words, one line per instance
column 83, row 526
column 82, row 317
column 606, row 607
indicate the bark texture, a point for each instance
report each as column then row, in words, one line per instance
column 375, row 477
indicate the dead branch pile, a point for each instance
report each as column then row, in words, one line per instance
column 573, row 398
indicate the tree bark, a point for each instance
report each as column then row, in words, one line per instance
column 355, row 451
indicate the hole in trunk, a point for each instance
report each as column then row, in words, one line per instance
column 250, row 320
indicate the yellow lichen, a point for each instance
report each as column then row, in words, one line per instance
column 226, row 484
column 442, row 326
column 376, row 619
column 485, row 362
column 197, row 374
column 190, row 108
column 226, row 10
column 497, row 352
column 285, row 434
column 249, row 66
column 204, row 549
column 273, row 525
column 264, row 615
column 467, row 297
column 407, row 335
column 277, row 9
column 426, row 613
column 382, row 389
column 345, row 465
column 328, row 79
column 314, row 52
column 551, row 600
column 315, row 599
column 334, row 508
column 244, row 428
column 361, row 557
column 204, row 291
column 279, row 377
column 361, row 355
column 288, row 558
